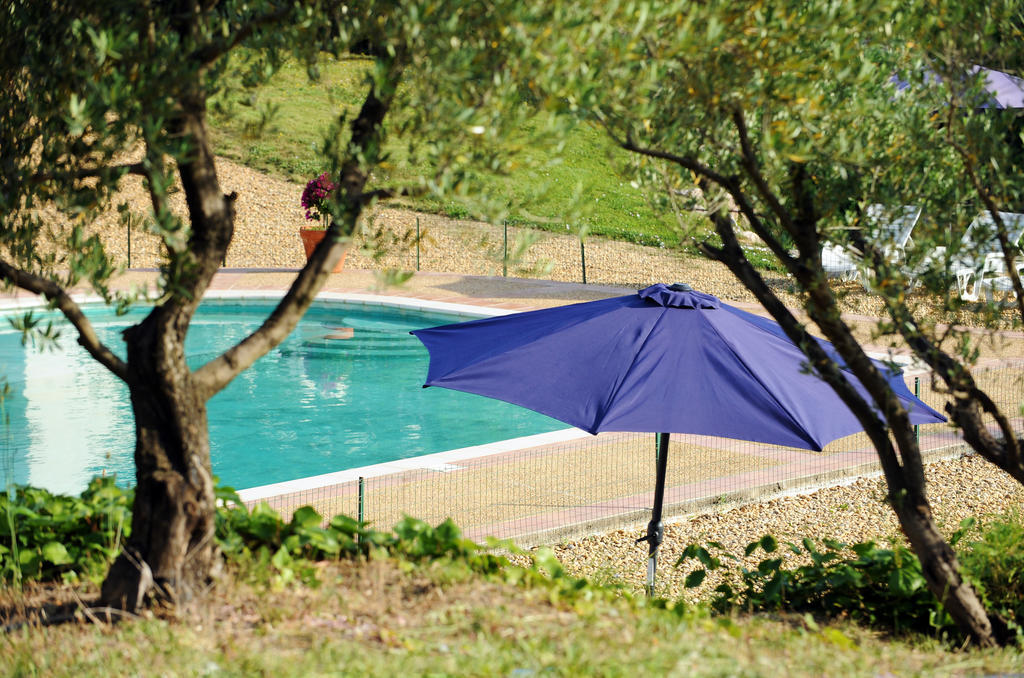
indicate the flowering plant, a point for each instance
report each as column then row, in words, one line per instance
column 314, row 198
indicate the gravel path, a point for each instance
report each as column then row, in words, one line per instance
column 269, row 215
column 958, row 488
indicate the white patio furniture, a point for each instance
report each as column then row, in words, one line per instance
column 890, row 228
column 980, row 266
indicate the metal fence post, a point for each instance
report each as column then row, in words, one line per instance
column 128, row 232
column 917, row 393
column 362, row 497
column 417, row 243
column 504, row 258
column 583, row 261
column 360, row 513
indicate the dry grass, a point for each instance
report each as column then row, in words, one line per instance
column 386, row 617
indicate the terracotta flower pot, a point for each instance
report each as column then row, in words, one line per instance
column 311, row 237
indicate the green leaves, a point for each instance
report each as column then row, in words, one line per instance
column 56, row 553
column 881, row 587
column 49, row 537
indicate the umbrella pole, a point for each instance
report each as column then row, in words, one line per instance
column 655, row 530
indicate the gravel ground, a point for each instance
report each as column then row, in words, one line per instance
column 268, row 217
column 958, row 488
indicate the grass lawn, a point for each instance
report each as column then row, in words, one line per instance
column 280, row 127
column 388, row 618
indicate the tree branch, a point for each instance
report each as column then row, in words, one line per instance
column 72, row 311
column 211, row 52
column 686, row 162
column 748, row 159
column 365, row 142
column 968, row 400
column 729, row 184
column 993, row 210
column 385, row 193
column 820, row 361
column 158, row 200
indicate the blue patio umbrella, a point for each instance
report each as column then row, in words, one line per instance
column 667, row 359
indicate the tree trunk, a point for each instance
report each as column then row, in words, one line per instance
column 941, row 570
column 904, row 475
column 171, row 551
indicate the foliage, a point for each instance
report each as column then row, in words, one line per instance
column 785, row 120
column 995, row 562
column 62, row 538
column 127, row 98
column 262, row 539
column 880, row 587
column 308, row 535
column 46, row 537
column 549, row 619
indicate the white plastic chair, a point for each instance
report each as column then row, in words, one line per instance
column 894, row 227
column 980, row 265
column 838, row 262
column 891, row 228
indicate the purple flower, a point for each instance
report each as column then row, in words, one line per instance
column 315, row 195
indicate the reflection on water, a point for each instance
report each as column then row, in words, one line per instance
column 343, row 391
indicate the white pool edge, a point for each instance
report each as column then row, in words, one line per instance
column 28, row 302
column 438, row 461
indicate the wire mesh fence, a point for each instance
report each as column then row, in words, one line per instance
column 547, row 493
column 454, row 246
column 396, row 240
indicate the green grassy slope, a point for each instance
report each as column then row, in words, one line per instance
column 279, row 128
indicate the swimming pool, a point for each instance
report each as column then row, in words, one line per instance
column 343, row 391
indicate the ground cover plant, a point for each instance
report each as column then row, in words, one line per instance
column 49, row 537
column 880, row 586
column 306, row 597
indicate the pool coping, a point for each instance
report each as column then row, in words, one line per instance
column 443, row 462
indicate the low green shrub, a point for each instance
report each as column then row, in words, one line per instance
column 48, row 537
column 307, row 536
column 995, row 565
column 880, row 587
column 876, row 586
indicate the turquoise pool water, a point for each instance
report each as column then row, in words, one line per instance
column 314, row 405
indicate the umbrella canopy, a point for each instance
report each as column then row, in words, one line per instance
column 1006, row 91
column 666, row 360
column 661, row 360
column 1000, row 90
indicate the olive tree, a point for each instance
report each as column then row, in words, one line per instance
column 795, row 116
column 95, row 91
